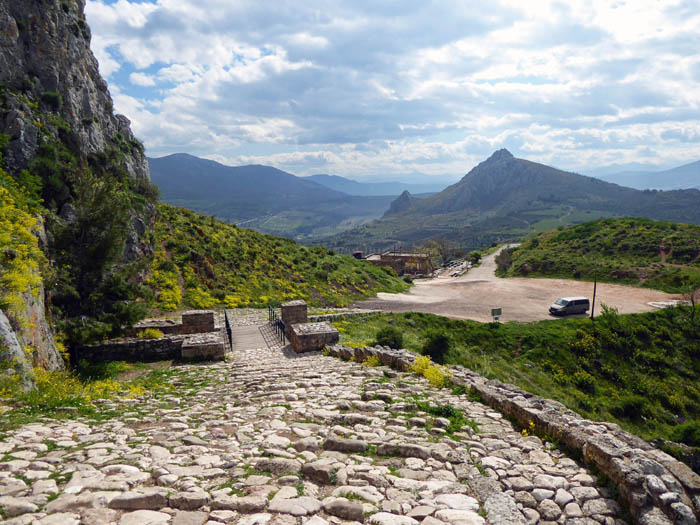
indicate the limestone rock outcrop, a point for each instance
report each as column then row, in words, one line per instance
column 51, row 93
column 12, row 353
column 45, row 54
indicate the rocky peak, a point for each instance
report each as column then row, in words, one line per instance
column 401, row 203
column 500, row 156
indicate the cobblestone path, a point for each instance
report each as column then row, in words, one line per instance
column 274, row 438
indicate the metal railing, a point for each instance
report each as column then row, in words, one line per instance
column 276, row 323
column 229, row 330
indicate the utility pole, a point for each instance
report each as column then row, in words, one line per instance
column 595, row 285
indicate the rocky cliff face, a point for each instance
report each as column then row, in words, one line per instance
column 45, row 55
column 57, row 125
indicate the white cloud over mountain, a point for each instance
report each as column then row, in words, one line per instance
column 383, row 88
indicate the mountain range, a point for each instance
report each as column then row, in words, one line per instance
column 682, row 177
column 505, row 197
column 262, row 197
column 353, row 187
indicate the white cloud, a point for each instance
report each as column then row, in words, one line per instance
column 142, row 79
column 370, row 89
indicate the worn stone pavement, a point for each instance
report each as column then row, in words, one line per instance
column 269, row 437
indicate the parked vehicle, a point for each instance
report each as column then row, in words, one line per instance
column 569, row 306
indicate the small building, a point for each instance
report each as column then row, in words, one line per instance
column 403, row 263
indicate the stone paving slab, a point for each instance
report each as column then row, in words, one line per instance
column 274, row 437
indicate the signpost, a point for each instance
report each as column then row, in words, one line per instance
column 496, row 314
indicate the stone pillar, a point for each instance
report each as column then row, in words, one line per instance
column 293, row 312
column 198, row 321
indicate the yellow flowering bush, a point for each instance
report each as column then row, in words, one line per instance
column 20, row 256
column 150, row 333
column 372, row 360
column 164, row 279
column 199, row 298
column 437, row 375
column 421, row 363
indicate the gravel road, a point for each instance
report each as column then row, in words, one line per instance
column 474, row 294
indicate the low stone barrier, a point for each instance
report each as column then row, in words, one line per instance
column 339, row 316
column 203, row 347
column 198, row 347
column 309, row 337
column 131, row 350
column 657, row 488
column 193, row 322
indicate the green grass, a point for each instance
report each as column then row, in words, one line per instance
column 640, row 370
column 202, row 262
column 653, row 254
column 72, row 394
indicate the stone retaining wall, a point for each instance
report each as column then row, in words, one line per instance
column 131, row 350
column 339, row 316
column 193, row 322
column 657, row 488
column 310, row 337
column 197, row 347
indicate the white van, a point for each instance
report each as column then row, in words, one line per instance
column 570, row 305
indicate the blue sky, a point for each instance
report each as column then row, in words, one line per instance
column 382, row 89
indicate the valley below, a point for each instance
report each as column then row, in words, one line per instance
column 473, row 295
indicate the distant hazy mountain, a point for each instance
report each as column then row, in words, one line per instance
column 261, row 197
column 353, row 187
column 505, row 197
column 682, row 177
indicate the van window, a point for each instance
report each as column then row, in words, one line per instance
column 561, row 302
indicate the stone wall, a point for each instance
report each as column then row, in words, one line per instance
column 339, row 316
column 196, row 347
column 132, row 350
column 198, row 322
column 310, row 337
column 657, row 488
column 193, row 322
column 203, row 347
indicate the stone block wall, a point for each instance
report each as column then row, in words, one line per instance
column 658, row 489
column 293, row 312
column 131, row 350
column 193, row 322
column 203, row 347
column 339, row 316
column 310, row 337
column 198, row 347
column 198, row 322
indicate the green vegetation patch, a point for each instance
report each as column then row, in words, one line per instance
column 201, row 262
column 71, row 394
column 641, row 252
column 639, row 370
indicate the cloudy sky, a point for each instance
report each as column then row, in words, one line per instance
column 384, row 88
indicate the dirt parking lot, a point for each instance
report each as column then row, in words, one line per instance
column 474, row 294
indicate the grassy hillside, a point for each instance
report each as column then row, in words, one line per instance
column 201, row 262
column 653, row 254
column 641, row 371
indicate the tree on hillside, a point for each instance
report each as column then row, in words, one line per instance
column 441, row 247
column 693, row 297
